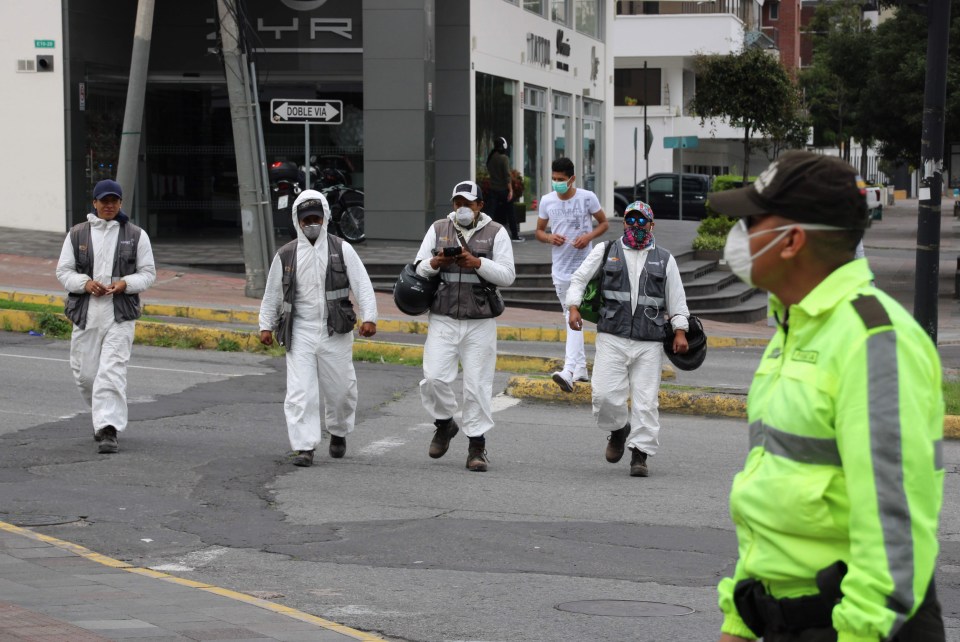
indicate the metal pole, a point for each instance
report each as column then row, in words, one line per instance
column 931, row 159
column 253, row 244
column 680, row 180
column 133, row 111
column 635, row 159
column 646, row 154
column 265, row 200
column 306, row 156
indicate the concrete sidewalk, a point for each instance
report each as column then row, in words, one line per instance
column 54, row 590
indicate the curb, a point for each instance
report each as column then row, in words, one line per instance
column 202, row 586
column 554, row 334
column 701, row 402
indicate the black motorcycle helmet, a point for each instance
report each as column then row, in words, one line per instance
column 413, row 293
column 697, row 351
column 330, row 176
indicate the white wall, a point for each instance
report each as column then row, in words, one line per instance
column 32, row 175
column 499, row 47
column 675, row 35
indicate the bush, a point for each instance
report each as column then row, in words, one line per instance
column 54, row 325
column 709, row 242
column 717, row 225
column 722, row 184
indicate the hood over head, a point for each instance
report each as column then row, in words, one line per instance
column 306, row 199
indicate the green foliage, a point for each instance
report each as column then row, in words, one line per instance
column 30, row 307
column 709, row 242
column 227, row 345
column 729, row 181
column 951, row 397
column 751, row 90
column 54, row 325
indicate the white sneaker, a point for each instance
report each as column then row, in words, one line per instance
column 581, row 376
column 564, row 379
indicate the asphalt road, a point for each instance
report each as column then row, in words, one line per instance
column 386, row 539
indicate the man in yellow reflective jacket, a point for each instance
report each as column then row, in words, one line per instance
column 836, row 509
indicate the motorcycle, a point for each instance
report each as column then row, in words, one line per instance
column 286, row 183
column 346, row 206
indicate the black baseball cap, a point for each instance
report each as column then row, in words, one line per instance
column 311, row 207
column 803, row 187
column 107, row 187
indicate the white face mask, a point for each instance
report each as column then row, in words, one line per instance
column 736, row 251
column 312, row 232
column 464, row 216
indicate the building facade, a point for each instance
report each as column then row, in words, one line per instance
column 425, row 85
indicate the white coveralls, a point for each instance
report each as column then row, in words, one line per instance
column 100, row 352
column 624, row 366
column 472, row 342
column 319, row 364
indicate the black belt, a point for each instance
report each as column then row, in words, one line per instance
column 764, row 613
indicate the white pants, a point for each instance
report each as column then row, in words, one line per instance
column 473, row 343
column 98, row 358
column 319, row 366
column 575, row 359
column 621, row 367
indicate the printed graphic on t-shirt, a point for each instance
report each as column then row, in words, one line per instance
column 570, row 218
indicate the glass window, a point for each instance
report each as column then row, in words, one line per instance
column 561, row 126
column 587, row 17
column 662, row 185
column 560, row 11
column 536, row 6
column 591, row 158
column 534, row 117
column 494, row 110
column 636, row 86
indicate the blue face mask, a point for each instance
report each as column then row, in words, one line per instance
column 560, row 187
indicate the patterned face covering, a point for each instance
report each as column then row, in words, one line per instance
column 637, row 238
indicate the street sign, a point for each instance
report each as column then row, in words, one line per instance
column 290, row 111
column 681, row 142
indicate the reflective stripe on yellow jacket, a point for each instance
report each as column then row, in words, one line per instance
column 845, row 417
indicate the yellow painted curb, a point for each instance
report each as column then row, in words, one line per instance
column 690, row 402
column 202, row 586
column 554, row 334
column 951, row 427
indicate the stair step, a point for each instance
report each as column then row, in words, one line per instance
column 750, row 311
column 693, row 270
column 730, row 296
column 710, row 283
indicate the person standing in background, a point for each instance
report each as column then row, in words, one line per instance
column 501, row 189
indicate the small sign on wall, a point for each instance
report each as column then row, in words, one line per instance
column 82, row 96
column 44, row 44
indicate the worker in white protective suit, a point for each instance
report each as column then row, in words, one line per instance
column 642, row 301
column 104, row 265
column 307, row 303
column 473, row 256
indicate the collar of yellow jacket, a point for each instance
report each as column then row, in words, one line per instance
column 831, row 291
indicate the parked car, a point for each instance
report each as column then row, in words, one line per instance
column 665, row 195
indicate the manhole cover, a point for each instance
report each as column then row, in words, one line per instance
column 625, row 608
column 26, row 521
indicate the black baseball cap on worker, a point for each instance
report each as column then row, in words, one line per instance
column 803, row 187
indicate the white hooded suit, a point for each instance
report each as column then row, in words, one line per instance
column 319, row 364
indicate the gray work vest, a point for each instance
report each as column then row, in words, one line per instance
column 648, row 321
column 462, row 293
column 341, row 317
column 126, row 307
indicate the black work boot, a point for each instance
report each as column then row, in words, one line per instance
column 304, row 458
column 477, row 456
column 446, row 430
column 638, row 463
column 338, row 446
column 108, row 440
column 615, row 443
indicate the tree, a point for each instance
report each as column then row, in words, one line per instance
column 835, row 84
column 750, row 89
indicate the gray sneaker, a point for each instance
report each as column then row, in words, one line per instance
column 108, row 440
column 446, row 430
column 564, row 379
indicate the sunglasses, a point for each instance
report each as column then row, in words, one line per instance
column 634, row 220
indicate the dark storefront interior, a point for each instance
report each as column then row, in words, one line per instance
column 187, row 180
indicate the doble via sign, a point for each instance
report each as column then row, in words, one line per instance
column 289, row 111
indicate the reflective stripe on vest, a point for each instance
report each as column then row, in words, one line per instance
column 808, row 450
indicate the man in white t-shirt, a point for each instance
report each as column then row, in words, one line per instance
column 569, row 211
